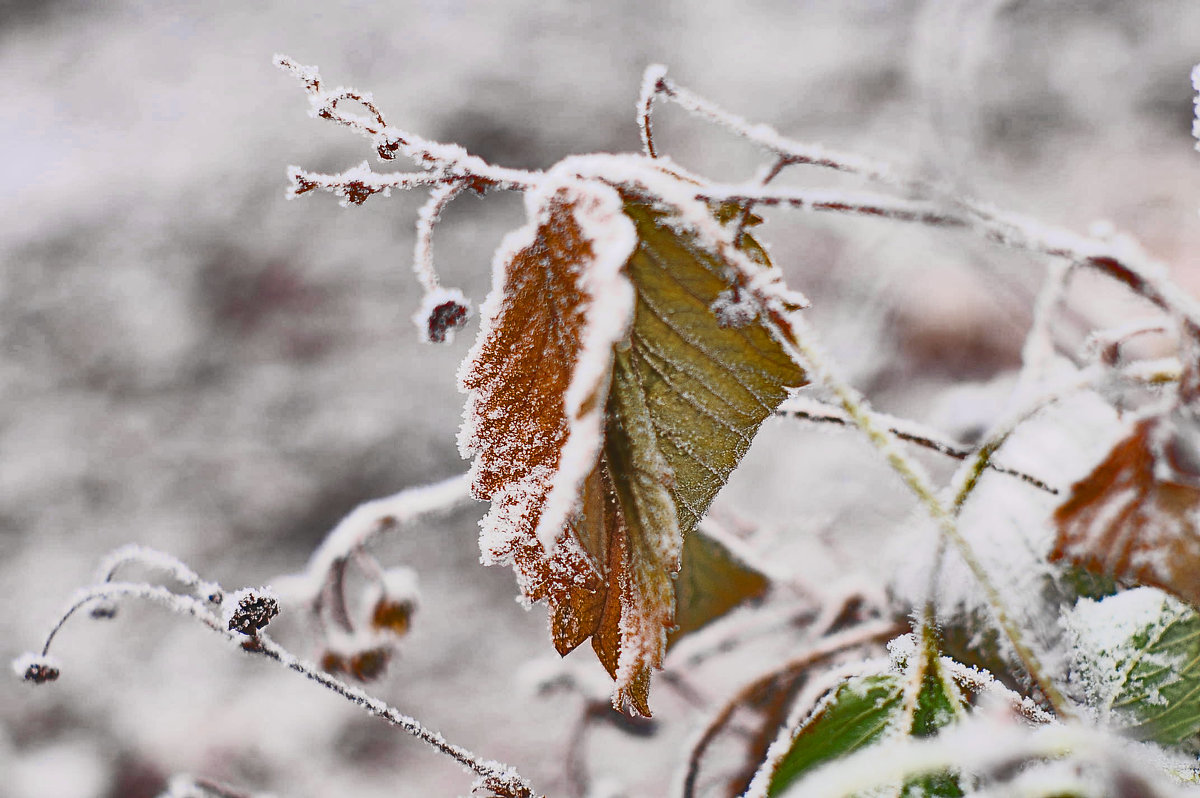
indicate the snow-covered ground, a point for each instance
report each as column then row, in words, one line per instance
column 192, row 362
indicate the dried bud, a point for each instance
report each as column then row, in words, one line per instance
column 251, row 609
column 393, row 601
column 104, row 610
column 364, row 664
column 442, row 312
column 36, row 668
column 394, row 617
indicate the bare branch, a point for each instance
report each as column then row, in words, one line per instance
column 821, row 412
column 501, row 779
column 652, row 81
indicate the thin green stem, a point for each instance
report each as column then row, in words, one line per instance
column 807, row 352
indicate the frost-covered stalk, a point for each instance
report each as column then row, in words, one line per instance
column 244, row 615
column 1120, row 259
column 809, row 352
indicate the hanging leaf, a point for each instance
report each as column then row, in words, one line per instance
column 1137, row 657
column 712, row 581
column 1135, row 516
column 915, row 697
column 624, row 364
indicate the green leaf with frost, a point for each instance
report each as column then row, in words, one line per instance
column 915, row 697
column 1136, row 656
column 860, row 711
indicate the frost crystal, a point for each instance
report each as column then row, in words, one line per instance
column 733, row 309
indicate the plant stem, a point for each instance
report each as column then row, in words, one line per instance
column 498, row 777
column 807, row 352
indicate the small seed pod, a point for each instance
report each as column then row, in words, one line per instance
column 442, row 312
column 393, row 601
column 250, row 609
column 36, row 668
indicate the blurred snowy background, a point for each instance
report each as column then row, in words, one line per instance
column 192, row 362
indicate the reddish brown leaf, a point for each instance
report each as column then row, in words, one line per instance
column 611, row 392
column 1135, row 516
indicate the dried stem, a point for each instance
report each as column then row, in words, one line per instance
column 501, row 779
column 820, row 412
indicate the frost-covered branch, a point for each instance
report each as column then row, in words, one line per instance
column 1120, row 259
column 449, row 161
column 355, row 185
column 244, row 614
column 321, row 582
column 819, row 412
column 802, row 344
column 788, row 150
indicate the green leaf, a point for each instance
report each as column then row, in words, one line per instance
column 712, row 581
column 916, row 697
column 1137, row 656
column 938, row 703
column 856, row 714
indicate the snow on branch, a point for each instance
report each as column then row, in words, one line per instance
column 807, row 409
column 1120, row 258
column 244, row 614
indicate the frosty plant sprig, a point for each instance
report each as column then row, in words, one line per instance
column 635, row 338
column 240, row 617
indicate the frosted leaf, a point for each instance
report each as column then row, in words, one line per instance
column 1135, row 516
column 608, row 403
column 1136, row 658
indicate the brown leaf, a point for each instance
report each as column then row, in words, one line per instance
column 608, row 403
column 1135, row 516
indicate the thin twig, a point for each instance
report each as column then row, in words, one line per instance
column 806, row 352
column 819, row 412
column 427, row 218
column 493, row 775
column 147, row 557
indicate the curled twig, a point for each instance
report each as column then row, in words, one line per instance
column 501, row 779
